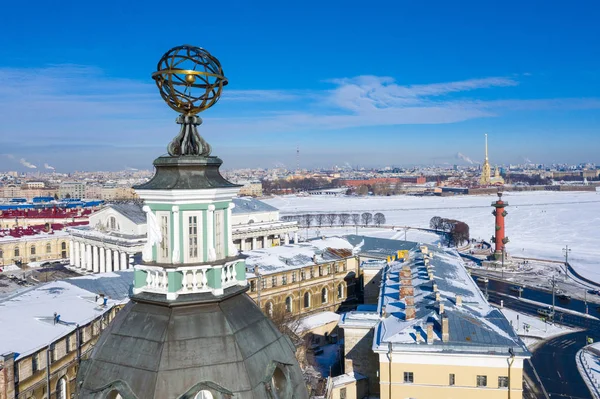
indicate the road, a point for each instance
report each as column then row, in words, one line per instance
column 554, row 360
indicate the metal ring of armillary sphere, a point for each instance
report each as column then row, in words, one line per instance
column 190, row 80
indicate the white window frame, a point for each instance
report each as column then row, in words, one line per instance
column 186, row 236
column 219, row 233
column 167, row 240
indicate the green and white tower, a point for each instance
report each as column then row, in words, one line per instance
column 190, row 330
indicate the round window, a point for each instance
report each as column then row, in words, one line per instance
column 279, row 383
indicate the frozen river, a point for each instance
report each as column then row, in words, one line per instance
column 539, row 224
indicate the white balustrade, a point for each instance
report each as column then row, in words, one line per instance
column 228, row 275
column 156, row 280
column 194, row 280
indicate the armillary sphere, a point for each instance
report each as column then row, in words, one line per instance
column 190, row 80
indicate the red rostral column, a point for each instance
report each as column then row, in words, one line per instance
column 499, row 239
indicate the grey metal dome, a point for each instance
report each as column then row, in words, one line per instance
column 197, row 347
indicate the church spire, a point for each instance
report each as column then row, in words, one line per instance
column 486, row 148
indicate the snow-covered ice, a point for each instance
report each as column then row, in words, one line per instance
column 527, row 326
column 588, row 363
column 539, row 223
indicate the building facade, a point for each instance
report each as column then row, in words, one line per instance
column 71, row 189
column 34, row 247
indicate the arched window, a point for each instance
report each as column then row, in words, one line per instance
column 204, row 394
column 114, row 395
column 270, row 309
column 17, row 252
column 340, row 291
column 279, row 384
column 289, row 306
column 112, row 223
column 307, row 299
column 63, row 245
column 32, row 250
column 48, row 248
column 61, row 388
column 324, row 295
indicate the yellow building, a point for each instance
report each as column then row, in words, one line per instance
column 299, row 279
column 34, row 248
column 432, row 333
column 47, row 332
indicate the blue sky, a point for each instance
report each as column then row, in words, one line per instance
column 377, row 83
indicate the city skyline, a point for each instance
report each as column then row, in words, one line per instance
column 413, row 85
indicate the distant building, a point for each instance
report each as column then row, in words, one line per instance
column 71, row 189
column 251, row 189
column 486, row 178
column 23, row 245
column 383, row 180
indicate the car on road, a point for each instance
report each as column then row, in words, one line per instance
column 562, row 295
column 546, row 312
column 516, row 288
column 594, row 292
column 483, row 280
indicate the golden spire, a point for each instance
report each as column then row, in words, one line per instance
column 486, row 148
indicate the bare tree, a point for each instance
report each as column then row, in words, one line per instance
column 379, row 219
column 367, row 218
column 331, row 218
column 362, row 190
column 343, row 218
column 355, row 219
column 319, row 218
column 307, row 220
column 435, row 223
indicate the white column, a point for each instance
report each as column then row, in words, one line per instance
column 123, row 261
column 102, row 260
column 71, row 253
column 210, row 235
column 130, row 261
column 176, row 239
column 265, row 241
column 82, row 254
column 229, row 239
column 115, row 260
column 95, row 259
column 295, row 237
column 253, row 243
column 243, row 244
column 286, row 239
column 109, row 267
column 77, row 260
column 88, row 257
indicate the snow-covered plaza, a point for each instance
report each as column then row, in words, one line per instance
column 539, row 224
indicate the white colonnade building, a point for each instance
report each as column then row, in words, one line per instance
column 115, row 236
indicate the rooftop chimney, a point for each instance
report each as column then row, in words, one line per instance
column 409, row 312
column 458, row 301
column 383, row 312
column 437, row 296
column 430, row 333
column 441, row 307
column 445, row 329
column 435, row 288
column 430, row 276
column 410, row 300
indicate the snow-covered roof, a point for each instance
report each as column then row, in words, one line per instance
column 346, row 379
column 251, row 205
column 473, row 327
column 293, row 256
column 27, row 319
column 316, row 320
column 132, row 211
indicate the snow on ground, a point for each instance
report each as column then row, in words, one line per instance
column 588, row 363
column 396, row 233
column 528, row 326
column 539, row 223
column 327, row 360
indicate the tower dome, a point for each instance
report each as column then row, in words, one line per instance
column 189, row 330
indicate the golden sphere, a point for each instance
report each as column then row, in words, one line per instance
column 190, row 78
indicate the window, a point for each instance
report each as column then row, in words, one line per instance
column 274, row 281
column 48, row 248
column 312, row 272
column 324, row 295
column 17, row 253
column 502, row 382
column 204, row 394
column 263, row 283
column 284, row 279
column 340, row 291
column 61, row 388
column 328, row 269
column 112, row 223
column 336, row 268
column 164, row 242
column 289, row 304
column 32, row 250
column 451, row 379
column 342, row 393
column 114, row 395
column 68, row 343
column 302, row 274
column 293, row 273
column 63, row 245
column 482, row 380
column 193, row 237
column 219, row 233
column 279, row 384
column 35, row 362
column 252, row 285
column 409, row 378
column 344, row 266
column 320, row 271
column 306, row 299
column 1, row 254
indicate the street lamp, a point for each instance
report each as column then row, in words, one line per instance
column 566, row 250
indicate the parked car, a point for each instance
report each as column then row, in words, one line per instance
column 546, row 312
column 483, row 280
column 594, row 292
column 564, row 296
